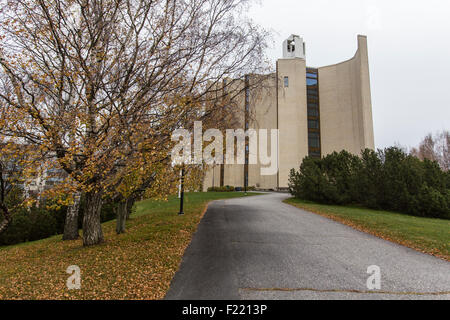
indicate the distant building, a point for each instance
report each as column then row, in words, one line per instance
column 47, row 174
column 317, row 111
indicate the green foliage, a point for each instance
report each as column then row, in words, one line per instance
column 432, row 203
column 328, row 180
column 39, row 222
column 14, row 198
column 388, row 179
column 221, row 189
column 230, row 189
column 32, row 224
column 369, row 179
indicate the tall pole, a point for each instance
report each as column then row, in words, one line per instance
column 247, row 109
column 179, row 186
column 214, row 167
column 182, row 193
column 245, row 184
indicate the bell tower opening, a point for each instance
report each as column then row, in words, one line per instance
column 294, row 47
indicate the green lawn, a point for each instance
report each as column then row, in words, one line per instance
column 136, row 265
column 428, row 235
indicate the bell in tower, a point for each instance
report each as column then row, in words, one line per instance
column 294, row 47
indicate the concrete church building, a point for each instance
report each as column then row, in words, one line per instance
column 317, row 111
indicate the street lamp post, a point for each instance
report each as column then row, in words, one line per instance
column 182, row 193
column 245, row 185
column 214, row 167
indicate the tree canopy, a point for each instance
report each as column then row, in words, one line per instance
column 99, row 85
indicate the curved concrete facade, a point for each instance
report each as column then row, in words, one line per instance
column 345, row 104
column 284, row 102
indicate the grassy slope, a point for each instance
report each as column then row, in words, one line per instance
column 428, row 235
column 137, row 265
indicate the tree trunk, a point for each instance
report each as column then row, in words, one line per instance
column 71, row 224
column 92, row 228
column 5, row 223
column 130, row 204
column 121, row 217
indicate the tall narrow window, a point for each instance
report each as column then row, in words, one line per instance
column 312, row 84
column 286, row 82
column 313, row 124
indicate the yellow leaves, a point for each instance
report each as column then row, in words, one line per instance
column 137, row 265
column 106, row 158
column 29, row 202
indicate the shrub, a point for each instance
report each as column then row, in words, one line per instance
column 368, row 180
column 328, row 180
column 38, row 222
column 221, row 189
column 230, row 189
column 340, row 176
column 432, row 203
column 32, row 224
column 309, row 182
column 388, row 179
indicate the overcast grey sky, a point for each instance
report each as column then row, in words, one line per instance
column 409, row 55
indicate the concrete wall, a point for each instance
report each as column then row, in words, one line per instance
column 263, row 115
column 292, row 117
column 212, row 178
column 233, row 174
column 345, row 104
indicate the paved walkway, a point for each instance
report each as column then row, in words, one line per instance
column 261, row 248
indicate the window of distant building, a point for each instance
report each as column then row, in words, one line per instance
column 286, row 82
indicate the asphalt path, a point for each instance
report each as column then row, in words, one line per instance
column 261, row 248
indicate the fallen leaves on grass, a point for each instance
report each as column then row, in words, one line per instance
column 139, row 264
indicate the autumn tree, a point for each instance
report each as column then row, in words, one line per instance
column 100, row 83
column 9, row 179
column 435, row 148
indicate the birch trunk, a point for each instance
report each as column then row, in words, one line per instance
column 71, row 224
